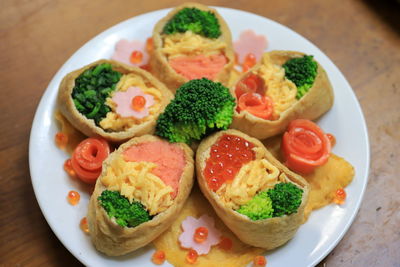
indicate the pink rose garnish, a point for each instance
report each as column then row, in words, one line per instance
column 189, row 226
column 124, row 103
column 124, row 49
column 250, row 42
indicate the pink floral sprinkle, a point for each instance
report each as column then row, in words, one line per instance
column 124, row 49
column 250, row 42
column 124, row 103
column 189, row 226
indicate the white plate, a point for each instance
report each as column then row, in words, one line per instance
column 314, row 240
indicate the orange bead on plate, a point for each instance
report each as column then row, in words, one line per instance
column 136, row 57
column 191, row 256
column 138, row 103
column 61, row 140
column 332, row 139
column 249, row 61
column 340, row 196
column 73, row 197
column 68, row 168
column 259, row 261
column 149, row 45
column 158, row 257
column 225, row 243
column 84, row 225
column 200, row 235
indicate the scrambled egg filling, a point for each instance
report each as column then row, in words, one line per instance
column 113, row 121
column 191, row 44
column 255, row 176
column 281, row 90
column 135, row 181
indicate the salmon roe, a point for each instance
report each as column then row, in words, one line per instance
column 61, row 140
column 149, row 45
column 68, row 168
column 136, row 57
column 340, row 196
column 225, row 243
column 200, row 235
column 249, row 61
column 332, row 139
column 138, row 103
column 158, row 257
column 84, row 225
column 259, row 261
column 73, row 197
column 227, row 156
column 191, row 256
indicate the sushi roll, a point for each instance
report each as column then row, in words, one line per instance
column 283, row 86
column 256, row 196
column 140, row 192
column 193, row 41
column 112, row 100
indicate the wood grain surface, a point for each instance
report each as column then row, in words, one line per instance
column 361, row 37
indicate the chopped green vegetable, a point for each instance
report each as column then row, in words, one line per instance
column 286, row 198
column 92, row 88
column 200, row 107
column 125, row 213
column 302, row 71
column 198, row 21
column 258, row 208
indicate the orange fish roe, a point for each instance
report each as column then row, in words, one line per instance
column 136, row 57
column 138, row 103
column 332, row 139
column 340, row 196
column 191, row 256
column 259, row 261
column 61, row 140
column 158, row 257
column 249, row 61
column 84, row 225
column 225, row 243
column 149, row 45
column 200, row 235
column 73, row 197
column 68, row 168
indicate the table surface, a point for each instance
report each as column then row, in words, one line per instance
column 361, row 38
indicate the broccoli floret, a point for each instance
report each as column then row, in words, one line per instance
column 302, row 72
column 125, row 213
column 199, row 108
column 92, row 88
column 286, row 198
column 192, row 19
column 258, row 208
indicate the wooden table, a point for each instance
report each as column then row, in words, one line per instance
column 361, row 37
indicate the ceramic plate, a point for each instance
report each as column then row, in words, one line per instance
column 314, row 240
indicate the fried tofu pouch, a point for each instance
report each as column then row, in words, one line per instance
column 87, row 126
column 159, row 62
column 266, row 233
column 113, row 239
column 317, row 101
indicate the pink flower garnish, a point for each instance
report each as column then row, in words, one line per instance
column 124, row 103
column 250, row 42
column 189, row 226
column 124, row 49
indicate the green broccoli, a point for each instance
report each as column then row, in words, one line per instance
column 302, row 72
column 200, row 107
column 92, row 88
column 125, row 213
column 286, row 198
column 258, row 208
column 192, row 19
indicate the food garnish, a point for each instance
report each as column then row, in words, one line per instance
column 84, row 225
column 340, row 196
column 192, row 256
column 199, row 108
column 158, row 257
column 305, row 146
column 73, row 197
column 259, row 261
column 61, row 140
column 198, row 21
column 302, row 71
